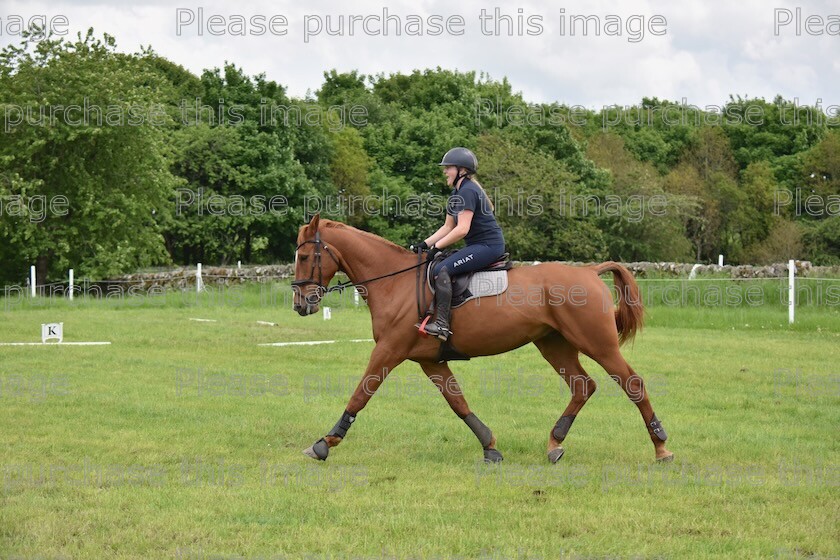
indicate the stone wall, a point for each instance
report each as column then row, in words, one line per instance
column 227, row 276
column 684, row 270
column 211, row 276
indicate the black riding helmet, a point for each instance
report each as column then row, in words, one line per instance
column 460, row 157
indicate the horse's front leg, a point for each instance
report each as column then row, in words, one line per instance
column 381, row 363
column 442, row 377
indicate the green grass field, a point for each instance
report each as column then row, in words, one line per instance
column 183, row 439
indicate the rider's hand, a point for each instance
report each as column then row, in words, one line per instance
column 419, row 245
column 433, row 251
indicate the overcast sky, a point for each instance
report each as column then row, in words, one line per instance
column 700, row 50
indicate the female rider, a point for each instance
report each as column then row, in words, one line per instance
column 469, row 216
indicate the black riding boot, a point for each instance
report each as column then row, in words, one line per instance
column 443, row 301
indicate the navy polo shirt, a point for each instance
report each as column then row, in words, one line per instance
column 484, row 227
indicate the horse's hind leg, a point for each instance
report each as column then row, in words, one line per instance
column 442, row 377
column 563, row 357
column 614, row 363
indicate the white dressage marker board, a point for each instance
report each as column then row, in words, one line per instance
column 52, row 331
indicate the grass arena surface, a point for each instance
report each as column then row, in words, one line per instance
column 183, row 439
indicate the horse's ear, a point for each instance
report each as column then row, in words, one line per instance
column 313, row 223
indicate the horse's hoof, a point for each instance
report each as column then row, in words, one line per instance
column 492, row 456
column 666, row 458
column 319, row 450
column 555, row 454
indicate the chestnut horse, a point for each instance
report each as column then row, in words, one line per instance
column 567, row 310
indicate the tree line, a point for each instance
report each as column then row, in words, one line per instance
column 110, row 162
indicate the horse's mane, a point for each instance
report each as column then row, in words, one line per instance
column 372, row 236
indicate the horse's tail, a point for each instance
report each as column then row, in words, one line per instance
column 629, row 317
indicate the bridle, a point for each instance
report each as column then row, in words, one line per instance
column 317, row 264
column 324, row 290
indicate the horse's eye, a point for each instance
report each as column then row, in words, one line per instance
column 304, row 257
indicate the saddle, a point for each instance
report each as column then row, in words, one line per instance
column 489, row 281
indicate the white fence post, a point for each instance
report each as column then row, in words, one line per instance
column 32, row 279
column 71, row 284
column 720, row 260
column 356, row 296
column 199, row 283
column 791, row 290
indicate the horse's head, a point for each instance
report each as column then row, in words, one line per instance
column 315, row 265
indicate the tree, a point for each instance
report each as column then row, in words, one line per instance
column 701, row 218
column 752, row 219
column 821, row 240
column 90, row 131
column 350, row 170
column 540, row 204
column 711, row 154
column 343, row 88
column 243, row 186
column 784, row 242
column 821, row 182
column 642, row 230
column 821, row 168
column 762, row 131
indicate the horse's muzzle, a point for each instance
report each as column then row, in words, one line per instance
column 305, row 303
column 304, row 310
